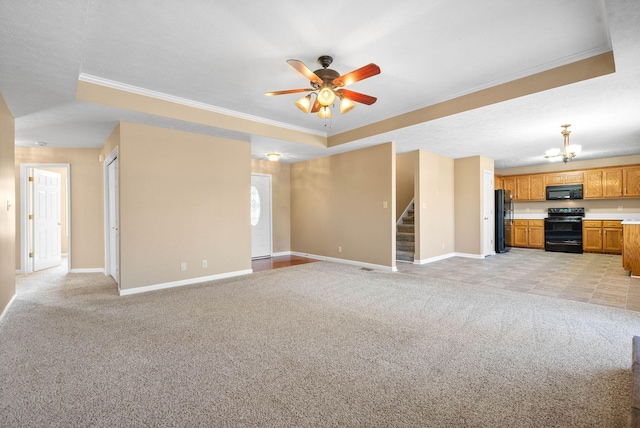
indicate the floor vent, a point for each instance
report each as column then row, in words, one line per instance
column 367, row 269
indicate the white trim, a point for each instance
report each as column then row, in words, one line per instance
column 7, row 307
column 470, row 256
column 154, row 287
column 270, row 177
column 346, row 262
column 191, row 103
column 25, row 266
column 433, row 259
column 19, row 271
column 105, row 206
column 282, row 253
column 87, row 270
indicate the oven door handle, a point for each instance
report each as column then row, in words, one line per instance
column 571, row 242
column 553, row 220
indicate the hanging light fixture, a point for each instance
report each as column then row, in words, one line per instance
column 324, row 112
column 346, row 105
column 568, row 151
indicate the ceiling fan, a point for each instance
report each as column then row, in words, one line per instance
column 327, row 85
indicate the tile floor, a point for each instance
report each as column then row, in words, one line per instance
column 591, row 278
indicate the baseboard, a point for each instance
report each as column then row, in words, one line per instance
column 162, row 286
column 281, row 253
column 434, row 259
column 346, row 262
column 470, row 256
column 7, row 307
column 19, row 271
column 87, row 270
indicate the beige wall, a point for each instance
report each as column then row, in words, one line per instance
column 87, row 236
column 338, row 201
column 469, row 203
column 435, row 226
column 183, row 198
column 7, row 213
column 405, row 175
column 281, row 200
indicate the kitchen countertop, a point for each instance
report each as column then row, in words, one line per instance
column 627, row 217
column 631, row 222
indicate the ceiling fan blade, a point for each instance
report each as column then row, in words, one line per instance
column 289, row 91
column 357, row 96
column 304, row 70
column 316, row 106
column 356, row 75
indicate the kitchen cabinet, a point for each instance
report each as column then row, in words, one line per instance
column 530, row 188
column 498, row 182
column 528, row 233
column 631, row 182
column 612, row 183
column 631, row 247
column 509, row 184
column 602, row 236
column 572, row 177
column 593, row 184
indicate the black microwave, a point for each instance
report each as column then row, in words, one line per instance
column 567, row 191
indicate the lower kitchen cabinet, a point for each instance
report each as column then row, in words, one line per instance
column 602, row 236
column 528, row 233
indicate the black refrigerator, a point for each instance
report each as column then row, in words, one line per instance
column 504, row 220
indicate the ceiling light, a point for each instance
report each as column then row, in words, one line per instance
column 304, row 103
column 324, row 113
column 326, row 96
column 273, row 157
column 346, row 105
column 568, row 151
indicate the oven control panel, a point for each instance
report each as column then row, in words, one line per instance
column 561, row 212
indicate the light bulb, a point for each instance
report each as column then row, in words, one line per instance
column 575, row 149
column 326, row 96
column 273, row 157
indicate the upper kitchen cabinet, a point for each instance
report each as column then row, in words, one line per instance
column 509, row 183
column 572, row 177
column 593, row 184
column 631, row 182
column 529, row 188
column 612, row 183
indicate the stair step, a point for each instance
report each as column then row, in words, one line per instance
column 411, row 212
column 406, row 228
column 401, row 236
column 404, row 256
column 407, row 220
column 405, row 246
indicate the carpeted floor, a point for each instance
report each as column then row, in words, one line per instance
column 320, row 344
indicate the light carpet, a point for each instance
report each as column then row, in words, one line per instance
column 320, row 344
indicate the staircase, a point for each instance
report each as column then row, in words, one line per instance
column 405, row 236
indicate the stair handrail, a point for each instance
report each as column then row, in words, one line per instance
column 404, row 213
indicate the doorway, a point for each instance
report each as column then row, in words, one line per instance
column 488, row 220
column 45, row 235
column 261, row 244
column 112, row 217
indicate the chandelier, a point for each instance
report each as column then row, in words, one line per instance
column 568, row 151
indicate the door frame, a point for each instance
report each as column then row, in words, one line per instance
column 270, row 213
column 107, row 241
column 25, row 196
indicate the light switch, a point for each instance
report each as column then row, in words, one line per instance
column 384, row 204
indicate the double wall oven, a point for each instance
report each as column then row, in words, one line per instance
column 563, row 230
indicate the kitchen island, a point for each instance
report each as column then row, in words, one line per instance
column 631, row 247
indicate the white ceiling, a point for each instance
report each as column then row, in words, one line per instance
column 227, row 54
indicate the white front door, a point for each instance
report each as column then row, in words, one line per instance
column 113, row 220
column 260, row 215
column 46, row 219
column 488, row 213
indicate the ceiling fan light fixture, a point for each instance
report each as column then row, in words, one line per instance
column 346, row 105
column 326, row 96
column 324, row 112
column 273, row 157
column 304, row 103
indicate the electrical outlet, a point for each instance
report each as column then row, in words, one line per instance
column 443, row 245
column 183, row 266
column 339, row 249
column 619, row 207
column 204, row 264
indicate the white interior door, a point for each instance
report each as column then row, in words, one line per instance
column 46, row 219
column 488, row 213
column 113, row 221
column 260, row 215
